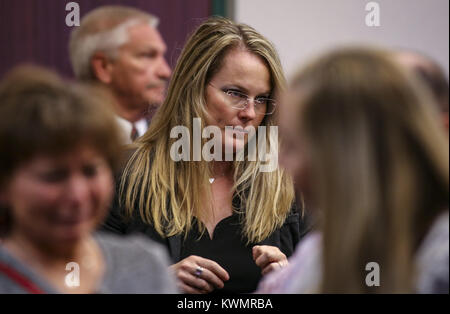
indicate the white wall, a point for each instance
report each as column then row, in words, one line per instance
column 303, row 28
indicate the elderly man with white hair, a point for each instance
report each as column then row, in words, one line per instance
column 121, row 48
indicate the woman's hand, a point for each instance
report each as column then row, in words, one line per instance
column 268, row 258
column 196, row 274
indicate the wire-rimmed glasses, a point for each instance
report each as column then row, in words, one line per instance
column 238, row 100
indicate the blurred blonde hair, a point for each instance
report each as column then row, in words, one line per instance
column 152, row 179
column 379, row 165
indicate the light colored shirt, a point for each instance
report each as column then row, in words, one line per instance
column 433, row 257
column 302, row 274
column 127, row 127
column 134, row 264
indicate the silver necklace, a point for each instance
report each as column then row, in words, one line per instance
column 212, row 179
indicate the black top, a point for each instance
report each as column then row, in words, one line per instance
column 228, row 247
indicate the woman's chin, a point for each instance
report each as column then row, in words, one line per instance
column 73, row 233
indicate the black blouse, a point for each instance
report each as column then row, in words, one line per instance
column 229, row 250
column 227, row 247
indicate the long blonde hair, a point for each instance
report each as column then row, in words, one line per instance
column 379, row 165
column 152, row 179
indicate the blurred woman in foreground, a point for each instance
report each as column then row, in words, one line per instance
column 58, row 148
column 368, row 152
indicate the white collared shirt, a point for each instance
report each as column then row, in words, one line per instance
column 126, row 126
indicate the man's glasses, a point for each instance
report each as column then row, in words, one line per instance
column 263, row 105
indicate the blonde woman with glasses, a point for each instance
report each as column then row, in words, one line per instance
column 225, row 221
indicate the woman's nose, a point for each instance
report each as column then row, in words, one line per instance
column 248, row 112
column 78, row 190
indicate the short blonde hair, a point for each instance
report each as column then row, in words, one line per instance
column 103, row 29
column 41, row 114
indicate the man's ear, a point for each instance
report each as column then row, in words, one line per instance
column 102, row 67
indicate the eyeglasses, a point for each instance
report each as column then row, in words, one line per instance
column 263, row 105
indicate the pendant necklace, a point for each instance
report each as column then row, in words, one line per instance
column 211, row 180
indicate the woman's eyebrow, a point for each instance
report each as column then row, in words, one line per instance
column 236, row 86
column 245, row 90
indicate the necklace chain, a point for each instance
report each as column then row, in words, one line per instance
column 212, row 179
